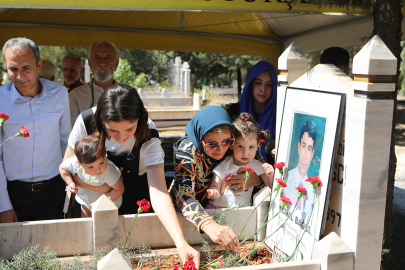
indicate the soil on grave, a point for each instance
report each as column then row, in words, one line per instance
column 263, row 256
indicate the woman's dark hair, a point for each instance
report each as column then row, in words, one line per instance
column 87, row 149
column 245, row 125
column 121, row 102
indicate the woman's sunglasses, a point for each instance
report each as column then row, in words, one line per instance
column 214, row 145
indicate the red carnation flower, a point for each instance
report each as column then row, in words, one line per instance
column 285, row 199
column 23, row 132
column 246, row 168
column 5, row 116
column 279, row 165
column 319, row 181
column 281, row 182
column 315, row 181
column 175, row 267
column 144, row 205
column 301, row 189
column 262, row 141
column 189, row 265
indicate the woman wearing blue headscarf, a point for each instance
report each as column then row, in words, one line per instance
column 259, row 99
column 208, row 137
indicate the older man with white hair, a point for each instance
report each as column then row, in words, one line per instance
column 31, row 187
column 103, row 62
column 48, row 70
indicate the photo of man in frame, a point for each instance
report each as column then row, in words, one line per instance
column 304, row 159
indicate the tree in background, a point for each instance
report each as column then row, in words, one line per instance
column 125, row 75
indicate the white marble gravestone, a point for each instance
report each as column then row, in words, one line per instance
column 312, row 102
column 292, row 64
column 185, row 83
column 177, row 73
column 359, row 183
column 359, row 191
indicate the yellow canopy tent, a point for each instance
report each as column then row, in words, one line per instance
column 250, row 27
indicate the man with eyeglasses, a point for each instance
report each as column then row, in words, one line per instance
column 103, row 62
column 72, row 69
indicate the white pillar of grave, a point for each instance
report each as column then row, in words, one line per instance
column 292, row 64
column 185, row 71
column 105, row 223
column 87, row 71
column 366, row 153
column 177, row 73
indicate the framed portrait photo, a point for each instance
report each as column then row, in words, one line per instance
column 309, row 134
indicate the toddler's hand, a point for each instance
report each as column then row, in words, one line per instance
column 273, row 152
column 212, row 194
column 268, row 169
column 73, row 188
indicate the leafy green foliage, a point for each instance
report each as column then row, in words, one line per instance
column 32, row 258
column 125, row 75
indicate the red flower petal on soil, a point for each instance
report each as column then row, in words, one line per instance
column 281, row 182
column 5, row 116
column 301, row 189
column 285, row 199
column 144, row 205
column 189, row 265
column 279, row 165
column 246, row 168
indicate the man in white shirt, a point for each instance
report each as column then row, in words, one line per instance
column 103, row 62
column 297, row 176
column 31, row 187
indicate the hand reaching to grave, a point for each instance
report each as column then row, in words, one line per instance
column 212, row 193
column 187, row 253
column 222, row 235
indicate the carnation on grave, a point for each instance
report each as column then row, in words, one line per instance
column 189, row 265
column 248, row 171
column 301, row 191
column 260, row 144
column 144, row 206
column 315, row 182
column 280, row 167
column 284, row 202
column 280, row 184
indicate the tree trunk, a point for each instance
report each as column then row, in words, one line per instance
column 387, row 25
